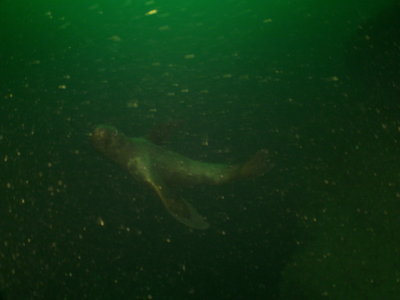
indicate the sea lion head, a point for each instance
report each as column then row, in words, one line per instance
column 108, row 140
column 112, row 143
column 104, row 137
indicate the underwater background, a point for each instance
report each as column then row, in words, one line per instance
column 317, row 83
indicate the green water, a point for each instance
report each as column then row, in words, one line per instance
column 315, row 82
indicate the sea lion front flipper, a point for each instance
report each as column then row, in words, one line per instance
column 180, row 209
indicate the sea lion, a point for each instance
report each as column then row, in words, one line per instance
column 160, row 168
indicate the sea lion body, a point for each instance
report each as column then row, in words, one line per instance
column 160, row 168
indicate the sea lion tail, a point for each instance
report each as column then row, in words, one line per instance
column 257, row 165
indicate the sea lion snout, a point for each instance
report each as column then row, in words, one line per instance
column 104, row 131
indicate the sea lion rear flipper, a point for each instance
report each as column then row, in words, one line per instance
column 180, row 209
column 257, row 165
column 160, row 134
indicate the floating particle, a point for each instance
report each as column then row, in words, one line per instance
column 115, row 38
column 151, row 12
